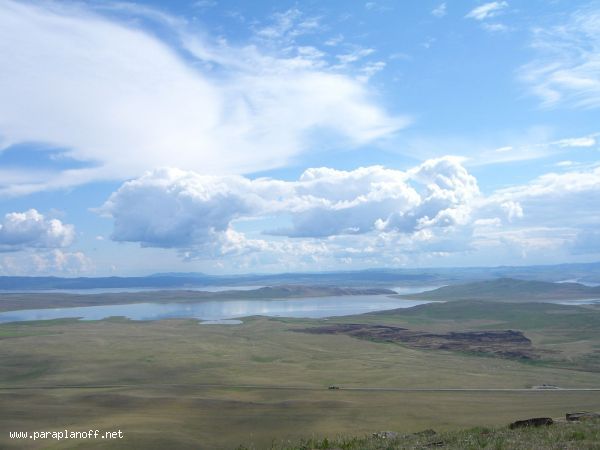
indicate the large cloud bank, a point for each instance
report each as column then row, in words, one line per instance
column 123, row 101
column 435, row 207
column 182, row 209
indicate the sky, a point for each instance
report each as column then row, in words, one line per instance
column 225, row 137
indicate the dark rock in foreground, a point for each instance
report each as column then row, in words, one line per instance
column 584, row 415
column 535, row 422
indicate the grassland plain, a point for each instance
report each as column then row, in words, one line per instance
column 178, row 384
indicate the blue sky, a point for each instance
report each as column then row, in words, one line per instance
column 230, row 137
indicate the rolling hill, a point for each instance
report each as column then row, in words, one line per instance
column 509, row 290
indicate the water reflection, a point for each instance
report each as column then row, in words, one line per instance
column 315, row 307
column 121, row 290
column 583, row 301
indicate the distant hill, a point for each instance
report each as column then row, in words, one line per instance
column 585, row 273
column 179, row 281
column 509, row 289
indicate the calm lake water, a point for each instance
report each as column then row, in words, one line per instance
column 583, row 301
column 122, row 289
column 222, row 310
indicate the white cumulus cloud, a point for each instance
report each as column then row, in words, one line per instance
column 30, row 229
column 185, row 210
column 175, row 208
column 362, row 217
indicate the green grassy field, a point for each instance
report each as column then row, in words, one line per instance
column 569, row 334
column 269, row 383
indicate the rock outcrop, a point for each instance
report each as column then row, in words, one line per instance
column 535, row 422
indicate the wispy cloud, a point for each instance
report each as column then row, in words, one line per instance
column 535, row 145
column 566, row 69
column 378, row 7
column 487, row 10
column 586, row 141
column 355, row 55
column 334, row 41
column 287, row 25
column 202, row 4
column 494, row 27
column 440, row 10
column 370, row 69
column 124, row 101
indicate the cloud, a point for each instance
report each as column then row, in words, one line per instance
column 377, row 7
column 370, row 69
column 203, row 4
column 124, row 101
column 440, row 10
column 327, row 202
column 182, row 209
column 287, row 25
column 586, row 241
column 513, row 209
column 174, row 208
column 494, row 27
column 45, row 263
column 334, row 41
column 567, row 63
column 360, row 218
column 30, row 229
column 523, row 242
column 565, row 163
column 354, row 56
column 548, row 198
column 487, row 10
column 537, row 143
column 586, row 141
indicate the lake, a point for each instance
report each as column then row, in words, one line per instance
column 217, row 311
column 211, row 288
column 120, row 290
column 583, row 301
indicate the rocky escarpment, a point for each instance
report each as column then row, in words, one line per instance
column 504, row 343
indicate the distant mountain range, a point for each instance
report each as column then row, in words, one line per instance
column 582, row 273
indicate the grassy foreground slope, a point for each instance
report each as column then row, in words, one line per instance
column 559, row 436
